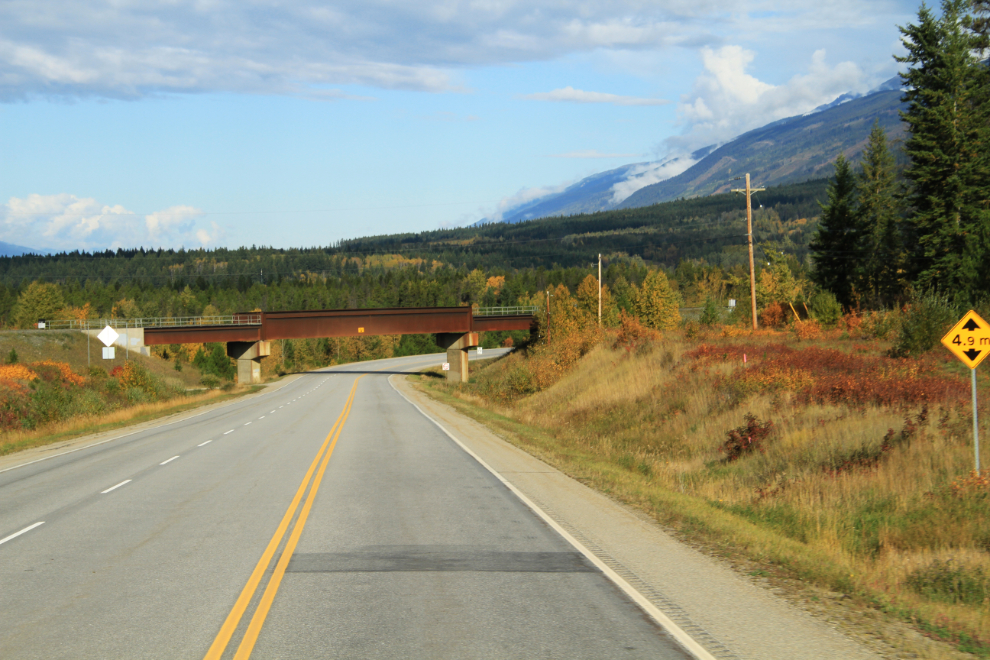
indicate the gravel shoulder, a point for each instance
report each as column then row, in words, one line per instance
column 734, row 607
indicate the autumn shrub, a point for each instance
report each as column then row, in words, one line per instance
column 853, row 324
column 135, row 376
column 807, row 330
column 772, row 316
column 508, row 343
column 16, row 372
column 631, row 333
column 63, row 370
column 747, row 438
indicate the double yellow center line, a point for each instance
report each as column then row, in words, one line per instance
column 261, row 611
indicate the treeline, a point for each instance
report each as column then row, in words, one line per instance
column 711, row 228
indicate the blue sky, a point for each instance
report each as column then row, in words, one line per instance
column 208, row 122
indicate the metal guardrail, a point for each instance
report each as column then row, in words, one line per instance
column 155, row 322
column 506, row 311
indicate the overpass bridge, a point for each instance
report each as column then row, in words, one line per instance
column 248, row 334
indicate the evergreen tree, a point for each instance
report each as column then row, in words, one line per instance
column 837, row 248
column 878, row 219
column 947, row 116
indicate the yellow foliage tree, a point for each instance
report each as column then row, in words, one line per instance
column 41, row 301
column 475, row 284
column 79, row 313
column 657, row 303
column 587, row 295
column 496, row 283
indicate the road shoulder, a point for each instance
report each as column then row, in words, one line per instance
column 732, row 613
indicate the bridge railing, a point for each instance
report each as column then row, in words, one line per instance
column 524, row 310
column 153, row 322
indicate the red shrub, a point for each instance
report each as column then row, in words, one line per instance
column 819, row 375
column 747, row 438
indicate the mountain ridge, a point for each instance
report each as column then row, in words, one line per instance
column 788, row 150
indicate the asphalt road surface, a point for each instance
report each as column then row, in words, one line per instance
column 326, row 518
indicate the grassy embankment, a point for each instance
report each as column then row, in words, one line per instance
column 50, row 394
column 849, row 469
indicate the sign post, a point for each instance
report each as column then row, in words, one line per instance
column 969, row 340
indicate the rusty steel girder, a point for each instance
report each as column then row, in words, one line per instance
column 329, row 323
column 202, row 334
column 358, row 322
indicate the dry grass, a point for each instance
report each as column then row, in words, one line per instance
column 862, row 486
column 14, row 441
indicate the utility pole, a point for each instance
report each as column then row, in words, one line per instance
column 749, row 235
column 599, row 289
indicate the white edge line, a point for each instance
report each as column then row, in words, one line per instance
column 204, row 443
column 168, row 461
column 675, row 631
column 16, row 534
column 125, row 481
column 118, row 437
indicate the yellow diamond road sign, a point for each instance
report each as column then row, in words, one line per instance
column 969, row 340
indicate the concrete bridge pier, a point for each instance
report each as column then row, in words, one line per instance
column 248, row 355
column 457, row 345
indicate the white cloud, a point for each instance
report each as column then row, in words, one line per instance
column 647, row 174
column 66, row 222
column 591, row 153
column 571, row 95
column 726, row 101
column 109, row 48
column 522, row 197
column 175, row 218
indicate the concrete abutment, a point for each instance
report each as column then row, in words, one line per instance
column 248, row 355
column 457, row 345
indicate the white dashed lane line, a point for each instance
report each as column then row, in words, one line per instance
column 247, row 423
column 204, row 443
column 262, row 417
column 125, row 481
column 168, row 461
column 230, row 431
column 16, row 534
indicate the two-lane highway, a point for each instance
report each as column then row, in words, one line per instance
column 324, row 519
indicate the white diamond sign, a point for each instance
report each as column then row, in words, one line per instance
column 108, row 335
